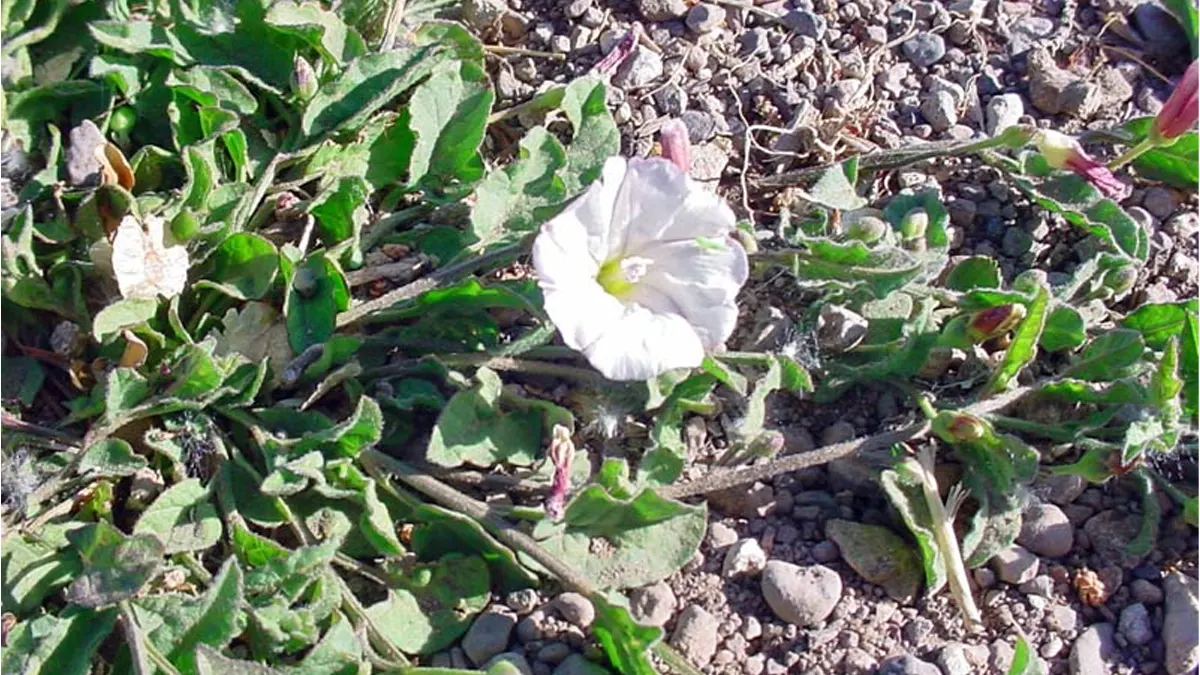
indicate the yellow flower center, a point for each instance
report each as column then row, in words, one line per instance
column 619, row 276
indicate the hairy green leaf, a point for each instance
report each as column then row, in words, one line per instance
column 183, row 517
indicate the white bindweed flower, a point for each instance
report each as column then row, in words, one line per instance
column 640, row 273
column 144, row 265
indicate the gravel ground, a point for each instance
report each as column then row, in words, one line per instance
column 804, row 82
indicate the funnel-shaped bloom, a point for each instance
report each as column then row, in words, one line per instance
column 640, row 273
column 1179, row 113
column 1064, row 152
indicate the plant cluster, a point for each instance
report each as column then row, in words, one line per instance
column 265, row 302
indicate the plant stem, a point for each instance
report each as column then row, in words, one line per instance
column 504, row 363
column 501, row 50
column 1132, row 153
column 388, row 224
column 506, row 533
column 947, row 540
column 728, row 479
column 435, row 280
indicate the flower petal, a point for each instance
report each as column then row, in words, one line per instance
column 699, row 280
column 582, row 311
column 129, row 249
column 662, row 204
column 593, row 211
column 560, row 253
column 642, row 344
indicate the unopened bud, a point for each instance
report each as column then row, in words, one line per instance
column 964, row 428
column 305, row 283
column 914, row 224
column 1121, row 279
column 676, row 146
column 304, row 80
column 867, row 229
column 994, row 321
column 746, row 239
column 1017, row 136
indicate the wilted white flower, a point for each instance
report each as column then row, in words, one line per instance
column 640, row 273
column 145, row 267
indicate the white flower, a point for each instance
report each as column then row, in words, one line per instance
column 144, row 265
column 640, row 273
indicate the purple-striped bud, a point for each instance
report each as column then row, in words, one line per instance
column 676, row 146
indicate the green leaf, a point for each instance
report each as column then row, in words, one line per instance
column 1064, row 329
column 1025, row 338
column 725, row 375
column 903, row 487
column 835, row 187
column 449, row 116
column 1108, row 357
column 974, row 272
column 32, row 569
column 183, row 517
column 340, row 212
column 115, row 567
column 929, row 202
column 828, row 264
column 1159, row 322
column 317, row 291
column 110, row 458
column 595, row 137
column 62, row 645
column 140, row 37
column 243, row 267
column 1084, row 206
column 22, row 378
column 1147, row 535
column 436, row 604
column 367, row 84
column 361, row 430
column 377, row 524
column 321, row 29
column 442, row 531
column 626, row 642
column 1174, row 164
column 214, row 87
column 1189, row 363
column 510, row 200
column 210, row 661
column 1024, row 661
column 474, row 429
column 122, row 314
column 379, row 154
column 338, row 653
column 645, row 538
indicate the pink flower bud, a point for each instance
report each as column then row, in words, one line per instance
column 1064, row 152
column 1179, row 113
column 560, row 453
column 676, row 146
column 620, row 51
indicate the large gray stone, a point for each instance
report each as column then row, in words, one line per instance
column 1181, row 623
column 804, row 596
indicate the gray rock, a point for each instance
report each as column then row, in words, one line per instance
column 839, row 329
column 1056, row 91
column 703, row 18
column 1045, row 529
column 554, row 653
column 1062, row 619
column 578, row 8
column 1002, row 112
column 1110, row 533
column 744, row 558
column 1093, row 650
column 696, row 634
column 1027, row 31
column 1016, row 243
column 1181, row 624
column 804, row 596
column 953, row 660
column 530, row 628
column 805, row 23
column 83, row 168
column 700, row 125
column 721, row 535
column 576, row 609
column 939, row 110
column 1160, row 202
column 640, row 69
column 662, row 10
column 522, row 601
column 577, row 664
column 1060, row 489
column 653, row 605
column 924, row 49
column 875, row 36
column 755, row 43
column 1015, row 565
column 671, row 100
column 488, row 635
column 514, row 664
column 906, row 664
column 1112, row 89
column 825, row 552
column 709, row 161
column 880, row 556
column 838, row 432
column 858, row 662
column 1145, row 592
column 1135, row 624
